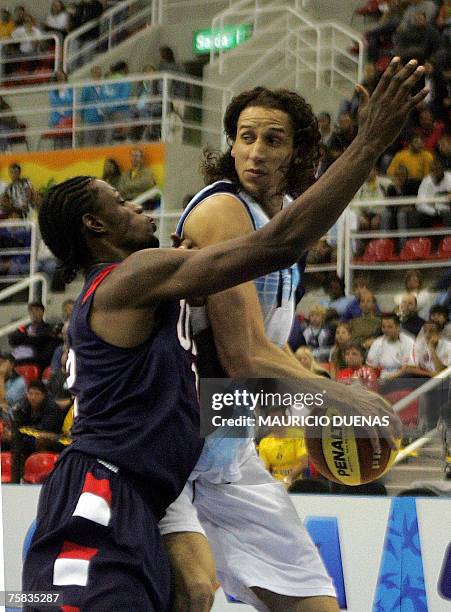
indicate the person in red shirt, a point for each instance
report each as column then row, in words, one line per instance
column 356, row 371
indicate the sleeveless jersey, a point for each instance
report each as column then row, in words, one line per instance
column 136, row 408
column 222, row 455
column 277, row 290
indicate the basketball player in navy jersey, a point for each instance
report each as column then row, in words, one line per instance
column 136, row 436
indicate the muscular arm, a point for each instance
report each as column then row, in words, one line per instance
column 235, row 315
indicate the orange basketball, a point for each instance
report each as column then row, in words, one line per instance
column 341, row 456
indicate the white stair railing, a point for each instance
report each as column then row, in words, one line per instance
column 317, row 47
column 31, row 283
column 111, row 28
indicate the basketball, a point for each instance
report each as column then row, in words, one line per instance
column 341, row 454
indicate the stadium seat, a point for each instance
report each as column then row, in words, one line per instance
column 409, row 414
column 444, row 249
column 416, row 248
column 382, row 249
column 6, row 459
column 38, row 466
column 60, row 133
column 46, row 374
column 29, row 371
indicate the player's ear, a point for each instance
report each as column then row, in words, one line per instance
column 93, row 223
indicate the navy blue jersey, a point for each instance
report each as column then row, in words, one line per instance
column 136, row 408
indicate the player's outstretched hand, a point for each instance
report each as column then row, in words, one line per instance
column 382, row 115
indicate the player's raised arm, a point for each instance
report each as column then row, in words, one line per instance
column 293, row 230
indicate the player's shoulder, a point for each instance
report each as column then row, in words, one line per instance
column 220, row 216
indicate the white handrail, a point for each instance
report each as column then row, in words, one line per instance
column 17, row 59
column 29, row 282
column 107, row 18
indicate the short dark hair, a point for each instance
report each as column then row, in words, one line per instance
column 392, row 316
column 60, row 222
column 301, row 173
column 38, row 384
column 15, row 165
column 36, row 305
column 358, row 347
column 439, row 309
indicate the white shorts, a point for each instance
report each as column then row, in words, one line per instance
column 255, row 534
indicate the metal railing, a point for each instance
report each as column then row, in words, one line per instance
column 350, row 236
column 430, row 384
column 39, row 63
column 26, row 246
column 113, row 27
column 156, row 106
column 31, row 283
column 316, row 47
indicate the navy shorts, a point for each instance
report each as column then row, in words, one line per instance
column 97, row 542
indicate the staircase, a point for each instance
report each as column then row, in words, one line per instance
column 426, row 465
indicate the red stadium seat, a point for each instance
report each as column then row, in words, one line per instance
column 382, row 249
column 61, row 132
column 46, row 374
column 444, row 249
column 38, row 466
column 29, row 371
column 6, row 459
column 416, row 248
column 409, row 414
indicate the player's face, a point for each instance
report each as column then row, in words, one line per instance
column 127, row 227
column 263, row 150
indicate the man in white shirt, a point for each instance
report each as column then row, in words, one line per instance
column 391, row 351
column 27, row 31
column 431, row 353
column 437, row 183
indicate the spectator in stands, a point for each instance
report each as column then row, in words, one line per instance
column 92, row 100
column 337, row 357
column 360, row 284
column 28, row 31
column 8, row 123
column 147, row 109
column 443, row 152
column 61, row 101
column 57, row 384
column 415, row 158
column 437, row 183
column 12, row 386
column 117, row 108
column 325, row 127
column 370, row 79
column 138, row 179
column 413, row 283
column 419, row 41
column 369, row 217
column 20, row 192
column 306, row 359
column 428, row 7
column 366, row 328
column 19, row 15
column 38, row 421
column 390, row 352
column 443, row 20
column 400, row 217
column 57, row 20
column 429, row 129
column 381, row 36
column 60, row 332
column 89, row 11
column 411, row 322
column 343, row 134
column 167, row 63
column 439, row 314
column 111, row 172
column 283, row 450
column 431, row 352
column 337, row 302
column 35, row 342
column 356, row 371
column 7, row 24
column 317, row 334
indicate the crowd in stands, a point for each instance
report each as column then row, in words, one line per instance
column 36, row 407
column 32, row 53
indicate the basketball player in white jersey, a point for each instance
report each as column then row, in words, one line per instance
column 262, row 552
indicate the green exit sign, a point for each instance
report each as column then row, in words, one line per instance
column 228, row 38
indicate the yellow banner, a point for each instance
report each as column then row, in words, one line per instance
column 41, row 167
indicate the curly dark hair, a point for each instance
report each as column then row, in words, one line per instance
column 301, row 173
